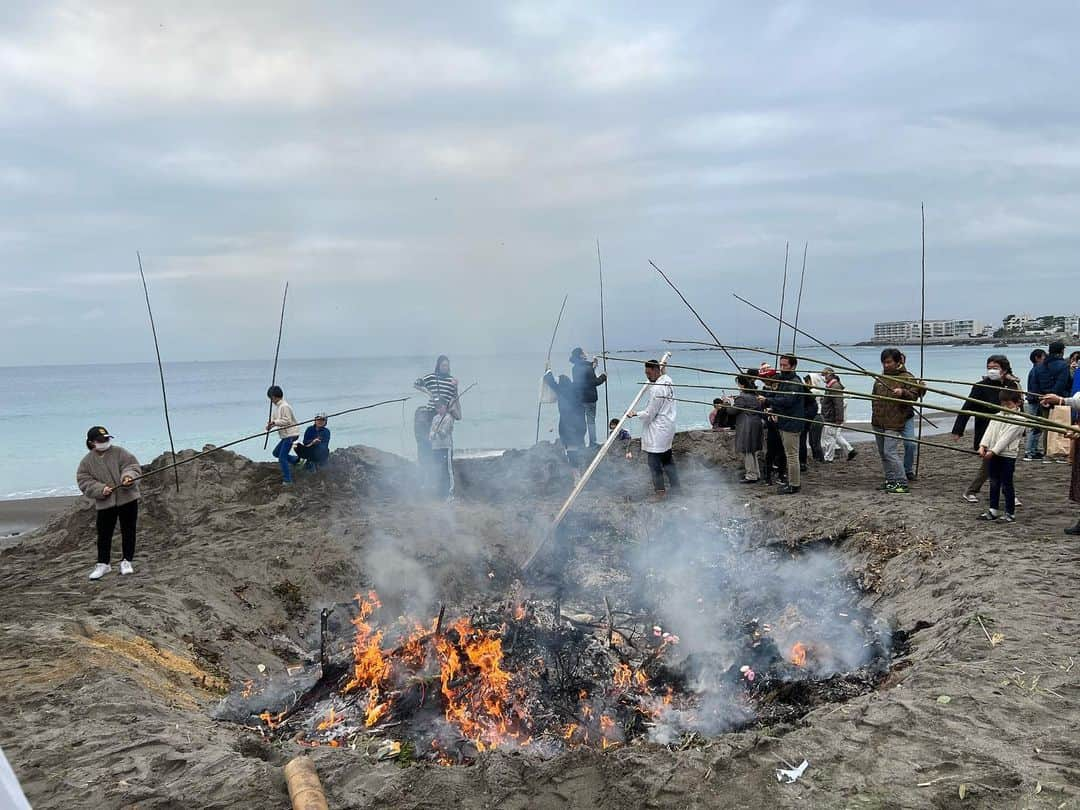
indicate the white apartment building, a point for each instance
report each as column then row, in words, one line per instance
column 1017, row 323
column 909, row 330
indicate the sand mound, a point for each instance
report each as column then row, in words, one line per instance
column 107, row 689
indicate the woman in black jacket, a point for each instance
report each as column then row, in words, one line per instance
column 984, row 398
column 571, row 416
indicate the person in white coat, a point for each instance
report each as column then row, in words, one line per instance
column 658, row 429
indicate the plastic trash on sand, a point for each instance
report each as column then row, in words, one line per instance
column 787, row 776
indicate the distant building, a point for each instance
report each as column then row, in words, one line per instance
column 1072, row 325
column 1017, row 323
column 909, row 330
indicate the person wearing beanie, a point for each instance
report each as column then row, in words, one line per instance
column 315, row 447
column 109, row 476
column 586, row 382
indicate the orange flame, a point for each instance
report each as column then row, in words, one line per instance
column 331, row 720
column 798, row 654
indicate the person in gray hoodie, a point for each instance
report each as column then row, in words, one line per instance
column 109, row 476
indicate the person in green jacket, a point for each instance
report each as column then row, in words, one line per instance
column 109, row 476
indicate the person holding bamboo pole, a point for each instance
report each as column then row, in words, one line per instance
column 786, row 409
column 586, row 382
column 109, row 476
column 658, row 429
column 282, row 418
column 888, row 416
column 748, row 427
column 985, row 397
column 999, row 448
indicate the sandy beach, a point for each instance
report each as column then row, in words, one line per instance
column 20, row 516
column 109, row 688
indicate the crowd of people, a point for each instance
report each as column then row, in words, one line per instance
column 778, row 428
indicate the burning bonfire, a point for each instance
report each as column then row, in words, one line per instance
column 523, row 675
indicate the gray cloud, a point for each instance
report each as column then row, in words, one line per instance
column 442, row 175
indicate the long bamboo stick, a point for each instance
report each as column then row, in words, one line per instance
column 798, row 303
column 551, row 346
column 603, row 336
column 161, row 368
column 877, row 376
column 707, row 346
column 954, row 448
column 783, row 295
column 922, row 325
column 1025, row 419
column 612, row 436
column 277, row 352
column 694, row 311
column 197, row 456
column 837, row 352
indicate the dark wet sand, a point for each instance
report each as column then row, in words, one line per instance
column 19, row 517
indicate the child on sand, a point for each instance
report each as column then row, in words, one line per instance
column 1000, row 446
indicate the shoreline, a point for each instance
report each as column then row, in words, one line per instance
column 17, row 517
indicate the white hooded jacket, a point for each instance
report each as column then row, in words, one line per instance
column 658, row 418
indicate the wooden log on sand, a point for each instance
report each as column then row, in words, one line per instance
column 305, row 790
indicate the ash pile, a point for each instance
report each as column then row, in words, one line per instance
column 703, row 633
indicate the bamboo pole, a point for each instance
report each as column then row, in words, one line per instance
column 706, row 345
column 1021, row 418
column 603, row 337
column 277, row 351
column 197, row 456
column 798, row 304
column 305, row 790
column 954, row 448
column 612, row 436
column 922, row 324
column 551, row 346
column 780, row 320
column 161, row 369
column 783, row 295
column 694, row 311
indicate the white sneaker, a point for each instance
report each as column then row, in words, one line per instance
column 100, row 570
column 125, row 567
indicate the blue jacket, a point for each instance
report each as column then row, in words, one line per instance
column 1032, row 382
column 787, row 402
column 320, row 452
column 1052, row 377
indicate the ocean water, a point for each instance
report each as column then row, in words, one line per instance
column 46, row 410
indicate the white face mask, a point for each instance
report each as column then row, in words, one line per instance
column 101, row 447
column 993, row 373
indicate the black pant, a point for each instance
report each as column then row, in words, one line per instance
column 1001, row 478
column 128, row 514
column 659, row 463
column 811, row 437
column 775, row 458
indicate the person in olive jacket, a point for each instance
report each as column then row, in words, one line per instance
column 109, row 476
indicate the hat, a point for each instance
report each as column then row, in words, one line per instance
column 767, row 372
column 320, row 415
column 825, row 372
column 97, row 433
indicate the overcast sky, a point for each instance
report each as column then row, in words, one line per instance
column 433, row 177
